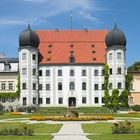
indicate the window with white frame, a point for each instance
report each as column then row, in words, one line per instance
column 72, row 86
column 23, row 56
column 110, row 56
column 119, row 55
column 10, row 86
column 3, row 86
column 24, row 71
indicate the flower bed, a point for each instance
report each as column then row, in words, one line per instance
column 82, row 118
column 16, row 113
column 133, row 112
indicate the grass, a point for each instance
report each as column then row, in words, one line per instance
column 41, row 131
column 102, row 131
column 38, row 128
column 46, row 137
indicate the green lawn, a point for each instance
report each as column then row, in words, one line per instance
column 102, row 131
column 46, row 137
column 41, row 131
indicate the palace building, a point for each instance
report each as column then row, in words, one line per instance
column 65, row 67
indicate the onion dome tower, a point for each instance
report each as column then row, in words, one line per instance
column 28, row 66
column 116, row 47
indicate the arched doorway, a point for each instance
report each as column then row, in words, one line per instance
column 72, row 102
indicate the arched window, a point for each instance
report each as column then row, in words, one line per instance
column 72, row 86
column 83, row 86
column 59, row 86
column 119, row 55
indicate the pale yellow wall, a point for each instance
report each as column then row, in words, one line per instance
column 136, row 98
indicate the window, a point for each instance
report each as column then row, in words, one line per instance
column 47, row 100
column 83, row 72
column 96, row 86
column 93, row 52
column 23, row 71
column 33, row 57
column 119, row 55
column 59, row 86
column 110, row 71
column 40, row 101
column 102, row 86
column 24, row 101
column 110, row 85
column 84, row 100
column 83, row 86
column 96, row 99
column 96, row 72
column 71, row 45
column 23, row 85
column 72, row 86
column 50, row 46
column 23, row 56
column 110, row 56
column 71, row 72
column 72, row 59
column 59, row 72
column 7, row 67
column 34, row 101
column 34, row 86
column 119, row 85
column 60, row 100
column 11, row 100
column 3, row 100
column 34, row 71
column 103, row 100
column 94, row 59
column 71, row 52
column 49, row 52
column 47, row 86
column 10, row 86
column 119, row 71
column 102, row 73
column 47, row 72
column 40, row 72
column 92, row 46
column 3, row 86
column 40, row 86
column 131, row 100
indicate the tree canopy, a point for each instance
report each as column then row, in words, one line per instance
column 134, row 68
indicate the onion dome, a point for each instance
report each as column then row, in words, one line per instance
column 115, row 37
column 28, row 37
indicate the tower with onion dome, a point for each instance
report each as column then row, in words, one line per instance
column 28, row 66
column 116, row 48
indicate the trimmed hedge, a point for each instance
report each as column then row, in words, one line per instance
column 136, row 107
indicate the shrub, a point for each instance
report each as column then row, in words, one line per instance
column 1, row 108
column 136, row 107
column 23, row 130
column 15, row 113
column 123, row 128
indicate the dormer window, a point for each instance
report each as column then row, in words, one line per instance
column 72, row 59
column 7, row 66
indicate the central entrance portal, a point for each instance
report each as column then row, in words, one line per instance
column 72, row 102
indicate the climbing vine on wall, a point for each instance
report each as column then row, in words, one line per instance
column 106, row 90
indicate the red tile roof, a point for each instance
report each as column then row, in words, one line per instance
column 88, row 46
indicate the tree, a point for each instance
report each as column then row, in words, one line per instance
column 115, row 100
column 134, row 68
column 106, row 90
column 124, row 98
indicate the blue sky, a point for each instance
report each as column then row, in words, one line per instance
column 51, row 14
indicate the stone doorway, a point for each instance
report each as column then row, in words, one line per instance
column 72, row 102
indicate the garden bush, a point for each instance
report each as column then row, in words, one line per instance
column 22, row 130
column 136, row 107
column 123, row 128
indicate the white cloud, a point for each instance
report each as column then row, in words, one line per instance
column 81, row 8
column 11, row 22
